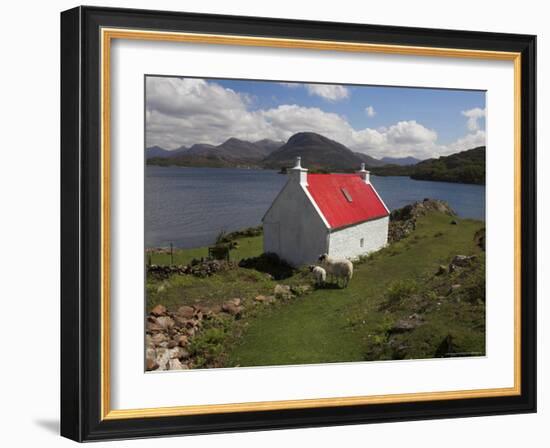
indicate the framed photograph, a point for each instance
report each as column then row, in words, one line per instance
column 273, row 223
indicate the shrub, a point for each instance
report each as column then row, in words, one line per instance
column 397, row 291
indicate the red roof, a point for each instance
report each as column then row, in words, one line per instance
column 345, row 199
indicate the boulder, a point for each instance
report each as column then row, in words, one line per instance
column 229, row 307
column 175, row 364
column 282, row 291
column 165, row 322
column 163, row 358
column 182, row 340
column 264, row 299
column 151, row 364
column 158, row 310
column 403, row 325
column 157, row 338
column 187, row 312
column 462, row 260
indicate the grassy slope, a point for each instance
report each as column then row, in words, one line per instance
column 323, row 326
column 329, row 325
column 248, row 247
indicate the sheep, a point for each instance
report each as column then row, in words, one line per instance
column 337, row 267
column 320, row 274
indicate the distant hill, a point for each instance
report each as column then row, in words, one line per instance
column 157, row 151
column 316, row 151
column 268, row 146
column 465, row 167
column 231, row 153
column 401, row 161
column 368, row 160
column 320, row 153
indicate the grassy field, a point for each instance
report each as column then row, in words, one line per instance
column 354, row 324
column 248, row 247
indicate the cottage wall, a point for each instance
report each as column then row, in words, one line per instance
column 293, row 228
column 346, row 243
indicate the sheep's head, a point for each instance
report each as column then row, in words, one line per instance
column 323, row 258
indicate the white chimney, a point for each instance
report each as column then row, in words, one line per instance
column 297, row 173
column 364, row 174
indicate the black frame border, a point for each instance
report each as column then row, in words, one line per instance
column 81, row 223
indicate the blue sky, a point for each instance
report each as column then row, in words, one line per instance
column 438, row 109
column 378, row 120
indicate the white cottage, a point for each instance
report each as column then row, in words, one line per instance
column 338, row 214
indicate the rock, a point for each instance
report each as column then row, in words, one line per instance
column 148, row 341
column 462, row 260
column 158, row 310
column 175, row 364
column 163, row 358
column 177, row 352
column 282, row 292
column 404, row 325
column 153, row 327
column 157, row 338
column 172, row 344
column 235, row 302
column 151, row 364
column 441, row 270
column 182, row 340
column 264, row 299
column 454, row 288
column 230, row 308
column 187, row 312
column 165, row 322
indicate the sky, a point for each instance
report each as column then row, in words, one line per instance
column 379, row 121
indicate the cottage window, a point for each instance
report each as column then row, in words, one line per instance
column 362, row 242
column 346, row 194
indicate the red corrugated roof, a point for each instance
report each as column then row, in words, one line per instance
column 345, row 199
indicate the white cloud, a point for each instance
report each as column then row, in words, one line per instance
column 473, row 116
column 187, row 111
column 369, row 110
column 328, row 91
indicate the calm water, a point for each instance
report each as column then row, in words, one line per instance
column 189, row 206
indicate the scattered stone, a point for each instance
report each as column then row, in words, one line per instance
column 282, row 292
column 157, row 338
column 403, row 325
column 175, row 364
column 453, row 288
column 187, row 312
column 163, row 358
column 441, row 270
column 158, row 310
column 153, row 327
column 182, row 340
column 462, row 260
column 232, row 309
column 165, row 322
column 151, row 364
column 172, row 344
column 264, row 299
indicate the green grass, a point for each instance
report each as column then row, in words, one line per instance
column 339, row 325
column 333, row 325
column 248, row 247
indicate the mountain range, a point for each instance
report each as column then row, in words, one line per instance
column 321, row 154
column 317, row 152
